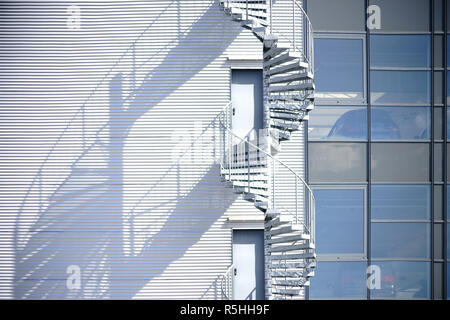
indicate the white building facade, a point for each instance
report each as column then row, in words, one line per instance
column 117, row 177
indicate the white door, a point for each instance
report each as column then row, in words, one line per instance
column 246, row 95
column 248, row 261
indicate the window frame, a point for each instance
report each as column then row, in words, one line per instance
column 347, row 257
column 350, row 101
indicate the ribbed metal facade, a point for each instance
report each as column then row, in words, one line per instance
column 107, row 153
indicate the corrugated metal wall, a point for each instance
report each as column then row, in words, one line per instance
column 94, row 127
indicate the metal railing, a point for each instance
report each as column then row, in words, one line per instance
column 226, row 284
column 247, row 165
column 299, row 32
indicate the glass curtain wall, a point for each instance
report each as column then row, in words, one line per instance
column 376, row 149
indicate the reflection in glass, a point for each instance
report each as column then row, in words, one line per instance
column 338, row 123
column 400, row 240
column 400, row 87
column 339, row 68
column 333, row 280
column 400, row 202
column 339, row 221
column 403, row 280
column 400, row 51
column 400, row 123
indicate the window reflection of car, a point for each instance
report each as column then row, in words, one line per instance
column 353, row 125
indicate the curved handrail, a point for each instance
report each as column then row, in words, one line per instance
column 270, row 156
column 309, row 229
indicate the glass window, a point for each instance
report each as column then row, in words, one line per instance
column 337, row 280
column 400, row 240
column 400, row 162
column 338, row 123
column 448, row 281
column 438, row 116
column 400, row 202
column 337, row 162
column 400, row 51
column 339, row 221
column 339, row 69
column 448, row 205
column 400, row 87
column 345, row 15
column 448, row 242
column 403, row 280
column 400, row 123
column 438, row 51
column 403, row 15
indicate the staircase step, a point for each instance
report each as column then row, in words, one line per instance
column 289, row 283
column 283, row 230
column 254, row 197
column 273, row 213
column 260, row 32
column 240, row 171
column 292, row 274
column 281, row 266
column 293, row 66
column 292, row 292
column 282, row 219
column 242, row 189
column 290, row 238
column 287, row 116
column 275, row 50
column 281, row 134
column 282, row 58
column 292, row 98
column 304, row 246
column 299, row 76
column 292, row 87
column 253, row 184
column 296, row 256
column 262, row 205
column 270, row 40
column 292, row 126
column 291, row 107
column 244, row 177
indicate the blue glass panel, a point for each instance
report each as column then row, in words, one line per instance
column 400, row 123
column 400, row 51
column 338, row 123
column 400, row 202
column 448, row 281
column 400, row 87
column 339, row 221
column 333, row 280
column 339, row 68
column 400, row 240
column 403, row 280
column 448, row 242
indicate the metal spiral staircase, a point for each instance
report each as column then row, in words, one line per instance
column 251, row 167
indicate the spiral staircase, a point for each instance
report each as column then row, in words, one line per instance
column 252, row 168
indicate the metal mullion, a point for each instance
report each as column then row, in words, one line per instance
column 445, row 275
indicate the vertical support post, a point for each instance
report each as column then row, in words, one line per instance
column 248, row 164
column 270, row 22
column 229, row 157
column 273, row 183
column 246, row 11
column 83, row 128
column 296, row 200
column 293, row 23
